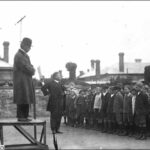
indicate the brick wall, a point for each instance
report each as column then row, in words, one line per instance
column 8, row 108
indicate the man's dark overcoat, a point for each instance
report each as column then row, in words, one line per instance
column 22, row 79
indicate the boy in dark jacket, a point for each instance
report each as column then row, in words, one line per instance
column 141, row 111
column 110, row 113
column 105, row 98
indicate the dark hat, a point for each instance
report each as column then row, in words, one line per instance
column 81, row 91
column 127, row 86
column 139, row 84
column 26, row 41
column 116, row 88
column 146, row 86
column 133, row 88
column 105, row 87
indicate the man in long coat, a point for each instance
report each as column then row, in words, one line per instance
column 23, row 70
column 55, row 90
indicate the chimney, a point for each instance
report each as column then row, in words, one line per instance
column 121, row 62
column 97, row 68
column 92, row 64
column 6, row 51
column 71, row 67
column 81, row 73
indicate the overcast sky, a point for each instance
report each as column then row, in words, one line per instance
column 77, row 31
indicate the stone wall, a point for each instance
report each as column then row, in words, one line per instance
column 8, row 108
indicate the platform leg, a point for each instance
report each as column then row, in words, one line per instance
column 1, row 135
column 44, row 132
column 35, row 132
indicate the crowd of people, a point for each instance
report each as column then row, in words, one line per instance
column 122, row 110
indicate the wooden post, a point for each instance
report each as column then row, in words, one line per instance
column 20, row 21
column 45, row 132
column 2, row 137
column 34, row 115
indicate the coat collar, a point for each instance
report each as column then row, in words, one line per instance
column 23, row 52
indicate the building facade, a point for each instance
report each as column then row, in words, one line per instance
column 122, row 71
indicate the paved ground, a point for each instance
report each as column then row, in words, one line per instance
column 78, row 138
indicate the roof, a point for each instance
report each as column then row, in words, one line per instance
column 129, row 67
column 75, row 83
column 87, row 74
column 4, row 64
column 98, row 82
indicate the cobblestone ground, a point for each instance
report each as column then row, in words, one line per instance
column 78, row 138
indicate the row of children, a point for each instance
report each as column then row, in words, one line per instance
column 111, row 109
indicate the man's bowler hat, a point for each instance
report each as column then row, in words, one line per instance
column 26, row 41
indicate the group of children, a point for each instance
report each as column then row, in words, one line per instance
column 124, row 111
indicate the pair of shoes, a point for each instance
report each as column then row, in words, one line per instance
column 123, row 133
column 130, row 134
column 24, row 119
column 143, row 137
column 59, row 132
column 111, row 132
column 138, row 136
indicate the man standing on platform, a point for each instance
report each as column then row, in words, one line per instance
column 55, row 90
column 23, row 70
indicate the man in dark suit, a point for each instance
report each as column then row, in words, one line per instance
column 105, row 98
column 55, row 90
column 23, row 70
column 141, row 111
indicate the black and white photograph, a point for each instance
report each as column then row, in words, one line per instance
column 74, row 75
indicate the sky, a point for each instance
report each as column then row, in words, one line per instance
column 77, row 31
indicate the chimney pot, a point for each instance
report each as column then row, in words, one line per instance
column 92, row 64
column 6, row 51
column 121, row 62
column 97, row 68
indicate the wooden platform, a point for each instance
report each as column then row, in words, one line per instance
column 18, row 125
column 26, row 147
column 10, row 122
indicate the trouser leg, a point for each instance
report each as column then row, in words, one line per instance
column 22, row 110
column 58, row 122
column 53, row 121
